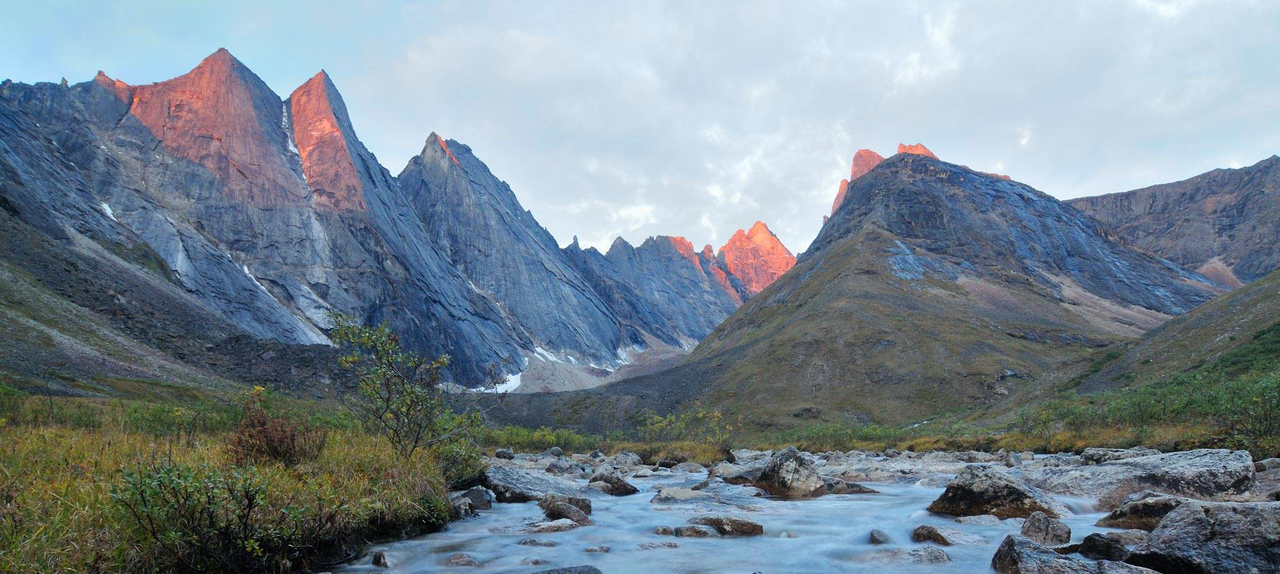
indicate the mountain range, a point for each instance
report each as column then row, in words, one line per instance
column 269, row 214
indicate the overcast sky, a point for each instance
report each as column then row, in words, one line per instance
column 698, row 118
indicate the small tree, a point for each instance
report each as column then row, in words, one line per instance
column 401, row 395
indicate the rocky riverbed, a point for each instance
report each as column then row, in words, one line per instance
column 1103, row 511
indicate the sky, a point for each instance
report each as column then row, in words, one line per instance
column 643, row 118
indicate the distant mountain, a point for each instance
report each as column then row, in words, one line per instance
column 933, row 288
column 1224, row 223
column 756, row 257
column 232, row 214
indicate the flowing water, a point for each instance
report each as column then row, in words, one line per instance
column 827, row 534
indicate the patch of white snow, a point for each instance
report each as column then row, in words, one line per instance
column 107, row 210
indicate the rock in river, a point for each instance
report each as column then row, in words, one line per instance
column 1212, row 538
column 1044, row 530
column 515, row 485
column 789, row 474
column 985, row 490
column 1019, row 555
column 1200, row 474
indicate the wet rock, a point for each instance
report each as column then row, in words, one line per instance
column 688, row 467
column 533, row 562
column 504, row 454
column 1044, row 530
column 560, row 466
column 1267, row 464
column 560, row 525
column 626, row 459
column 462, row 506
column 1019, row 555
column 1131, row 537
column 1214, row 537
column 985, row 490
column 571, row 570
column 832, row 485
column 614, row 484
column 554, row 451
column 380, row 560
column 695, row 531
column 596, row 454
column 878, row 536
column 788, row 474
column 677, row 495
column 1097, row 547
column 1199, row 474
column 742, row 475
column 730, row 526
column 536, row 542
column 602, row 549
column 1100, row 455
column 1143, row 511
column 462, row 560
column 926, row 555
column 480, row 497
column 515, row 485
column 656, row 545
column 979, row 520
column 556, row 510
column 945, row 536
column 583, row 504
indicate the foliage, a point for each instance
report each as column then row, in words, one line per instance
column 262, row 436
column 696, row 425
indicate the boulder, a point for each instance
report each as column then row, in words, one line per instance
column 626, row 459
column 583, row 504
column 480, row 497
column 554, row 451
column 536, row 542
column 788, row 474
column 1142, row 511
column 926, row 555
column 677, row 495
column 602, row 549
column 463, row 560
column 1020, row 555
column 1200, row 474
column 1044, row 530
column 462, row 506
column 1097, row 547
column 985, row 490
column 380, row 560
column 556, row 510
column 504, row 454
column 945, row 536
column 614, row 484
column 691, row 467
column 515, row 485
column 572, row 569
column 657, row 545
column 695, row 531
column 1100, row 455
column 979, row 520
column 878, row 536
column 730, row 526
column 832, row 485
column 1131, row 537
column 1214, row 538
column 560, row 525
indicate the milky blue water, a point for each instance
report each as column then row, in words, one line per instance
column 828, row 534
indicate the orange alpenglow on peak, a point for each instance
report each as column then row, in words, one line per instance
column 684, row 247
column 445, row 146
column 917, row 149
column 863, row 161
column 756, row 257
column 322, row 145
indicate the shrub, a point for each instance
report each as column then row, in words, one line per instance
column 202, row 519
column 283, row 439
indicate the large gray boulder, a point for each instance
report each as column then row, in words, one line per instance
column 1200, row 474
column 1100, row 455
column 608, row 481
column 1044, row 530
column 1214, row 538
column 1143, row 511
column 1020, row 555
column 985, row 490
column 516, row 485
column 788, row 474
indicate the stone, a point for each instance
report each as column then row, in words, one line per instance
column 556, row 510
column 926, row 555
column 462, row 560
column 1044, row 530
column 1131, row 537
column 1097, row 547
column 945, row 536
column 1020, row 555
column 554, row 451
column 581, row 503
column 695, row 531
column 1142, row 511
column 678, row 495
column 560, row 525
column 536, row 542
column 656, row 545
column 380, row 560
column 598, row 549
column 572, row 570
column 462, row 506
column 788, row 474
column 1199, row 474
column 613, row 483
column 1214, row 537
column 690, row 467
column 985, row 490
column 1100, row 455
column 730, row 526
column 979, row 520
column 516, row 485
column 832, row 485
column 878, row 536
column 504, row 454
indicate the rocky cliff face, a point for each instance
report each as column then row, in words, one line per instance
column 1224, row 223
column 932, row 288
column 476, row 221
column 863, row 161
column 271, row 213
column 756, row 257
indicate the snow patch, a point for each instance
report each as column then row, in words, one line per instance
column 107, row 210
column 254, row 279
column 546, row 356
column 510, row 384
column 288, row 133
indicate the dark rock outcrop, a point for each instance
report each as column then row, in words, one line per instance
column 1142, row 511
column 1044, row 530
column 1201, row 474
column 788, row 474
column 1214, row 538
column 984, row 490
column 1019, row 555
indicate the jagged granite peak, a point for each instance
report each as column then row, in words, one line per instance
column 476, row 221
column 863, row 161
column 756, row 257
column 214, row 186
column 1225, row 223
column 916, row 149
column 933, row 288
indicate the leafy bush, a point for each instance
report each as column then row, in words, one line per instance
column 264, row 437
column 48, row 411
column 184, row 422
column 202, row 519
